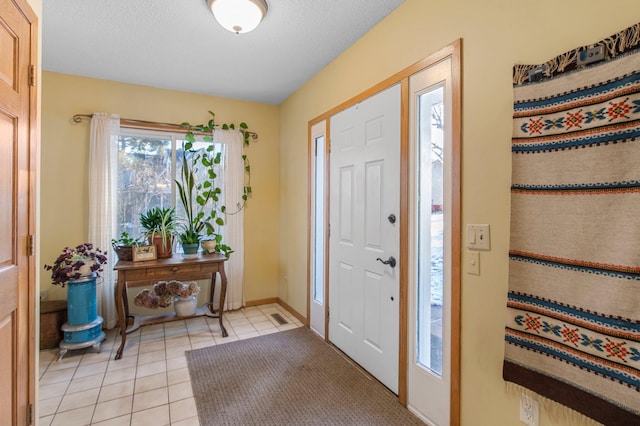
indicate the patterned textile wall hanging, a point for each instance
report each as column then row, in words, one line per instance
column 573, row 310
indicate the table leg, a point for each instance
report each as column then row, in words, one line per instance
column 125, row 302
column 120, row 308
column 223, row 295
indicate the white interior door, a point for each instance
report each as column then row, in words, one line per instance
column 365, row 198
column 430, row 243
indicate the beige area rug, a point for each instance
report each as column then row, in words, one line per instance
column 288, row 378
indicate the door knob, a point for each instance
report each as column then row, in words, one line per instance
column 391, row 218
column 391, row 261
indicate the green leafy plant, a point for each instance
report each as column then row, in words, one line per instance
column 189, row 237
column 123, row 246
column 125, row 240
column 161, row 221
column 197, row 188
column 207, row 129
column 247, row 135
column 199, row 197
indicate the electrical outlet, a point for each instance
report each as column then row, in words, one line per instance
column 44, row 295
column 528, row 410
column 591, row 55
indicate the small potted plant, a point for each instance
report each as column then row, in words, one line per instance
column 160, row 225
column 74, row 263
column 214, row 244
column 123, row 246
column 208, row 245
column 182, row 295
column 190, row 240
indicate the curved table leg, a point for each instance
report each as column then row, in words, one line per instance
column 122, row 320
column 223, row 295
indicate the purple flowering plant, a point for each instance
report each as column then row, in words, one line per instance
column 69, row 264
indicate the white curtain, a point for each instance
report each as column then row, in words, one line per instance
column 103, row 169
column 233, row 231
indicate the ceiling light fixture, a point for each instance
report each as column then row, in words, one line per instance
column 238, row 16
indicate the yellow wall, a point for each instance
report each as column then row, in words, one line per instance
column 64, row 192
column 496, row 34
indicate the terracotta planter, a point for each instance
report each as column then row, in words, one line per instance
column 163, row 250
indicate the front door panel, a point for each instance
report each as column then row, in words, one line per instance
column 365, row 179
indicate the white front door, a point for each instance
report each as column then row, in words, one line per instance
column 364, row 233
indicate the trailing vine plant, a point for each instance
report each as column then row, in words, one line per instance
column 198, row 190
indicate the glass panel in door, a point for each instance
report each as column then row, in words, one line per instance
column 318, row 229
column 431, row 208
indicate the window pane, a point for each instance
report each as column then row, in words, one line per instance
column 144, row 179
column 318, row 229
column 146, row 174
column 430, row 230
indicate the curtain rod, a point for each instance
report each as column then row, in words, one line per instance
column 127, row 122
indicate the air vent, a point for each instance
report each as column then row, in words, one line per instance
column 280, row 319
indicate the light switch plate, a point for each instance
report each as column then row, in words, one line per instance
column 478, row 237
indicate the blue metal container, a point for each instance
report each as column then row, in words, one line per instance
column 82, row 305
column 82, row 333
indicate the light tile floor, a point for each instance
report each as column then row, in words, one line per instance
column 150, row 385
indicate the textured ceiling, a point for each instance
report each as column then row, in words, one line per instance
column 179, row 45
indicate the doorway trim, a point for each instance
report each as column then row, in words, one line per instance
column 454, row 51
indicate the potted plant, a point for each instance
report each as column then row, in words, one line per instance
column 198, row 194
column 190, row 241
column 208, row 245
column 214, row 244
column 123, row 246
column 164, row 293
column 78, row 268
column 198, row 191
column 160, row 224
column 75, row 263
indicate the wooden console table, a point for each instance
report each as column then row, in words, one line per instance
column 136, row 274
